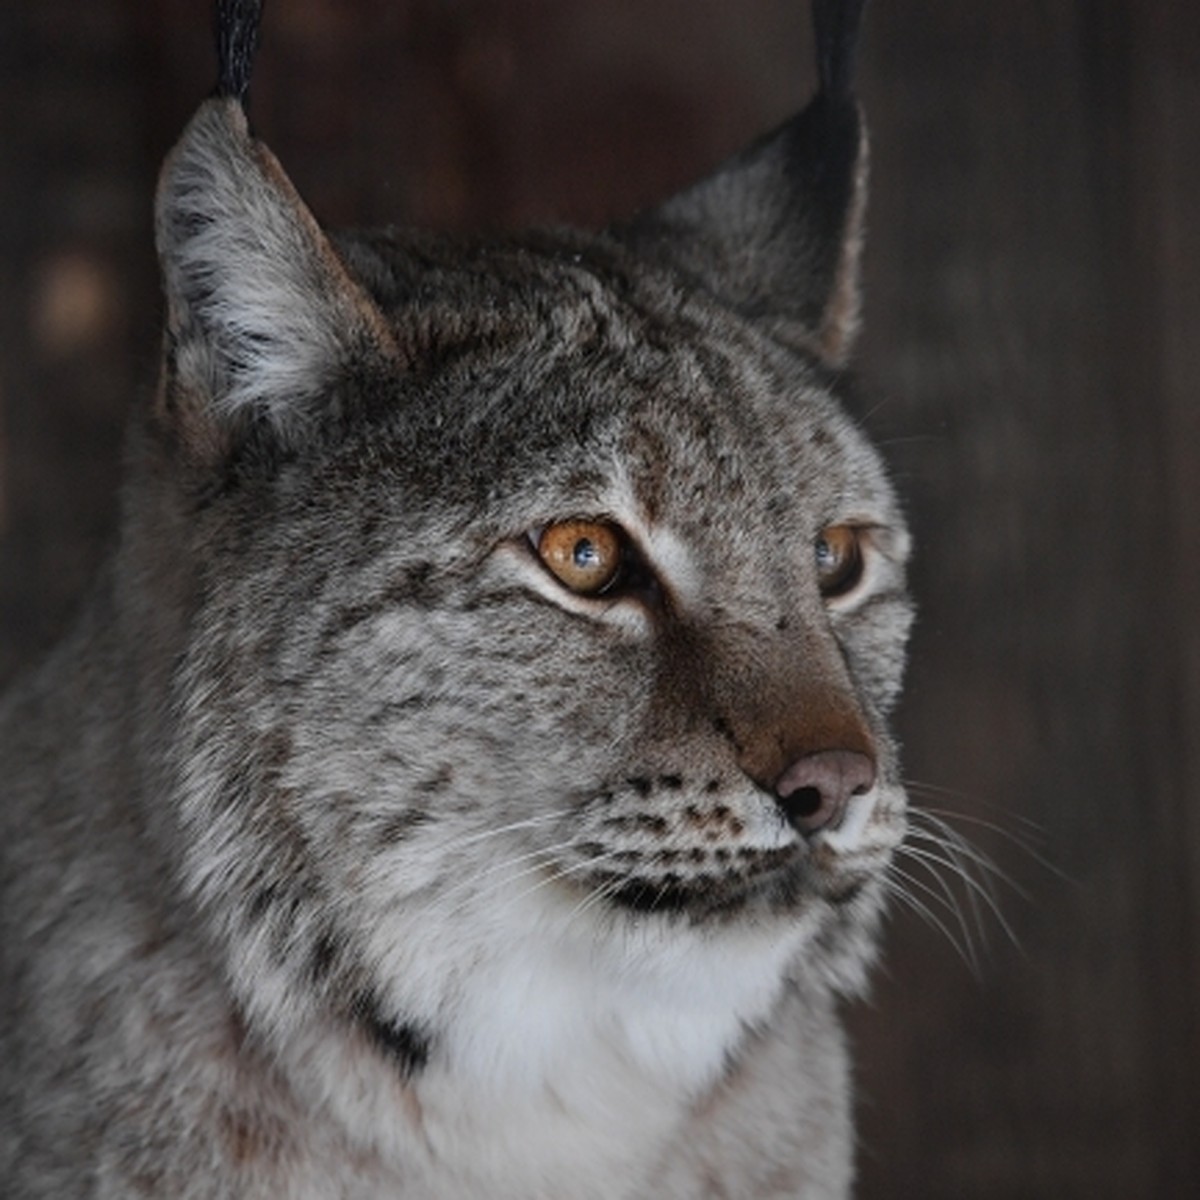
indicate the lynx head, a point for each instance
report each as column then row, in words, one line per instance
column 535, row 607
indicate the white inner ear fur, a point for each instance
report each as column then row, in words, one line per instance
column 261, row 308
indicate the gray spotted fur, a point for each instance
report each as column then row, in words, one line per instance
column 346, row 854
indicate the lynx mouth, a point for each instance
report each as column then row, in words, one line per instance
column 782, row 880
column 720, row 858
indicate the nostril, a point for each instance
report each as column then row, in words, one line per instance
column 804, row 802
column 813, row 792
column 809, row 810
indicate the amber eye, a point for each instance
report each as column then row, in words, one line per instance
column 584, row 556
column 838, row 552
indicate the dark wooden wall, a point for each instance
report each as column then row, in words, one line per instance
column 1033, row 351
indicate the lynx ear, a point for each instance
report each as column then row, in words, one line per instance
column 776, row 233
column 262, row 316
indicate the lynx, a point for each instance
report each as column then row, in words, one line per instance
column 471, row 775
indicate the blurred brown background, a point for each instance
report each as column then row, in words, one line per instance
column 1033, row 355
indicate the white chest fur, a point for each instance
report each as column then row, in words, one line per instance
column 568, row 1066
column 567, row 1058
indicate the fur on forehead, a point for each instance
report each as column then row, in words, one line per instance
column 267, row 316
column 533, row 346
column 517, row 412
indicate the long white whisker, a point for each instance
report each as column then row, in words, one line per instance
column 487, row 878
column 951, row 856
column 596, row 895
column 999, row 830
column 934, row 862
column 527, row 823
column 954, row 842
column 921, row 788
column 923, row 910
column 966, row 860
column 975, row 888
column 944, row 896
column 942, row 893
column 564, row 872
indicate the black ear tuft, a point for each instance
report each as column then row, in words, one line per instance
column 776, row 232
column 238, row 24
column 836, row 24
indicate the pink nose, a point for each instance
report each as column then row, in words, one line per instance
column 813, row 792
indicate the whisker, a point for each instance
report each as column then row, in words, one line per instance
column 897, row 889
column 527, row 823
column 999, row 830
column 503, row 868
column 944, row 895
column 946, row 835
column 955, row 859
column 564, row 872
column 973, row 886
column 922, row 787
column 908, row 439
column 596, row 896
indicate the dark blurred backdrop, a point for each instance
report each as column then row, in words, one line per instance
column 1032, row 358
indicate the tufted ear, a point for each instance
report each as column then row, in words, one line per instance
column 262, row 316
column 776, row 232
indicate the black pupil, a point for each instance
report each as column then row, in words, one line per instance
column 585, row 555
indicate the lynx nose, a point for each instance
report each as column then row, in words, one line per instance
column 813, row 792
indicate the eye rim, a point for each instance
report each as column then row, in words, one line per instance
column 635, row 580
column 614, row 542
column 845, row 542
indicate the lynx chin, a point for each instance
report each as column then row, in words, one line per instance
column 471, row 775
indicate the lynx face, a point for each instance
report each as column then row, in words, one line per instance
column 559, row 602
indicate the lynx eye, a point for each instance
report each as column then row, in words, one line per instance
column 584, row 556
column 838, row 551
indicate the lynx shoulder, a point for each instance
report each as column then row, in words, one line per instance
column 471, row 776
